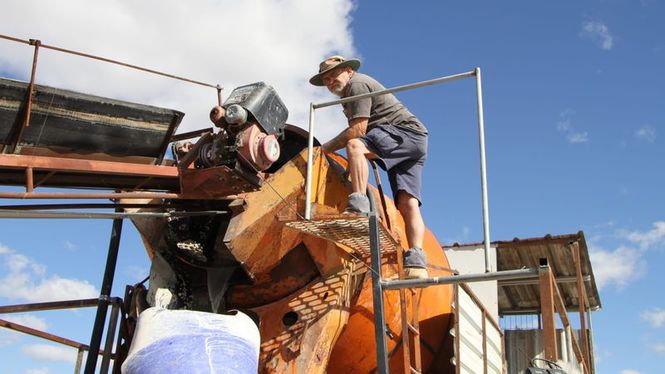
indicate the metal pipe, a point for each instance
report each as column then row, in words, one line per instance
column 397, row 89
column 191, row 134
column 80, row 206
column 110, row 336
column 104, row 296
column 43, row 335
column 30, row 93
column 87, row 215
column 518, row 282
column 216, row 86
column 483, row 170
column 377, row 291
column 463, row 278
column 29, row 180
column 79, row 361
column 110, row 195
column 592, row 365
column 52, row 305
column 310, row 150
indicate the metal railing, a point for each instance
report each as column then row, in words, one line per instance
column 481, row 137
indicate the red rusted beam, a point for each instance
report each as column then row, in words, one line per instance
column 191, row 134
column 30, row 93
column 87, row 166
column 29, row 182
column 167, row 139
column 45, row 335
column 66, row 304
column 110, row 195
column 78, row 206
column 547, row 312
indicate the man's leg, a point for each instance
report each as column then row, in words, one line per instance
column 415, row 259
column 413, row 220
column 358, row 170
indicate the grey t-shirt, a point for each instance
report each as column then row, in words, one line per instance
column 382, row 109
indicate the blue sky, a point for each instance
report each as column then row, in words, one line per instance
column 573, row 94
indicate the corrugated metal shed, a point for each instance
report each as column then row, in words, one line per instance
column 516, row 298
column 523, row 297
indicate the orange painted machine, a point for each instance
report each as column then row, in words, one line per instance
column 224, row 229
column 306, row 283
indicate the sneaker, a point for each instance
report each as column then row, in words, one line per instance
column 358, row 203
column 415, row 264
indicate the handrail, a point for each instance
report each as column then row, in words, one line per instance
column 111, row 61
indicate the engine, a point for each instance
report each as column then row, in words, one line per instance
column 250, row 121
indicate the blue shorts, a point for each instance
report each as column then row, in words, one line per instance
column 402, row 153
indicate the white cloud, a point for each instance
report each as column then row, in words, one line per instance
column 70, row 246
column 578, row 137
column 646, row 133
column 29, row 281
column 37, row 371
column 564, row 125
column 654, row 317
column 598, row 33
column 47, row 352
column 649, row 239
column 630, row 371
column 225, row 42
column 659, row 348
column 136, row 273
column 618, row 267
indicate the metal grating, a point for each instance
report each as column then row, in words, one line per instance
column 349, row 231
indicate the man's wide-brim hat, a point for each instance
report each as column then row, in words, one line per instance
column 331, row 63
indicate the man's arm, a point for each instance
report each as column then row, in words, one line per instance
column 357, row 128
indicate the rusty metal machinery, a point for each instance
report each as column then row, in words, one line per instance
column 310, row 295
column 250, row 122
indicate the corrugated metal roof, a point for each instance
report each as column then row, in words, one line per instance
column 518, row 297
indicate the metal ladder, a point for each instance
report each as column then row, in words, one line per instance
column 410, row 327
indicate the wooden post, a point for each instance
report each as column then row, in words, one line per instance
column 547, row 309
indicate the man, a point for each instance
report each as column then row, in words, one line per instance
column 382, row 129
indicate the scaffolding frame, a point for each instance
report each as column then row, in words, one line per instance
column 119, row 308
column 379, row 285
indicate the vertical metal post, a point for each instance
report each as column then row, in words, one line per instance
column 79, row 361
column 110, row 336
column 29, row 180
column 483, row 171
column 30, row 93
column 104, row 297
column 592, row 361
column 377, row 290
column 310, row 149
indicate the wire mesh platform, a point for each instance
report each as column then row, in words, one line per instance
column 350, row 231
